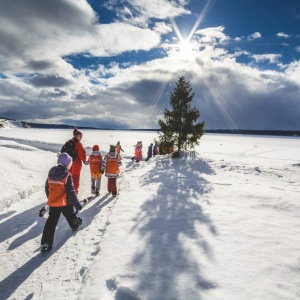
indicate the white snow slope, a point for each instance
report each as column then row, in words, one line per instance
column 222, row 222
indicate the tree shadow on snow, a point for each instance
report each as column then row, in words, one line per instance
column 169, row 224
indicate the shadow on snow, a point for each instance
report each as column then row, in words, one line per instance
column 21, row 222
column 170, row 219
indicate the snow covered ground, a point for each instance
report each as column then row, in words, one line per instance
column 219, row 223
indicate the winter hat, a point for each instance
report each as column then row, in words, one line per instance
column 64, row 159
column 112, row 148
column 95, row 148
column 76, row 131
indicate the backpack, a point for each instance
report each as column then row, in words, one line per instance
column 69, row 147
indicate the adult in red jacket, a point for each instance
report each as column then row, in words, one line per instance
column 80, row 157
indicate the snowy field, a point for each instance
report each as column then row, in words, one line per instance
column 219, row 223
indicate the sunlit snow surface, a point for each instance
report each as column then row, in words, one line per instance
column 219, row 223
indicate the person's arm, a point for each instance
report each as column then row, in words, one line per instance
column 119, row 161
column 47, row 188
column 103, row 164
column 80, row 151
column 71, row 194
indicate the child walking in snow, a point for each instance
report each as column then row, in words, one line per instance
column 62, row 197
column 119, row 148
column 138, row 153
column 110, row 164
column 95, row 161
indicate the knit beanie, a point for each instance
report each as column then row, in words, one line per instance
column 76, row 131
column 112, row 148
column 95, row 148
column 64, row 159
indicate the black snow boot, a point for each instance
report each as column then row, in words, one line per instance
column 79, row 220
column 46, row 248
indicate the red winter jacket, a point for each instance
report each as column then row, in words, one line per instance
column 81, row 157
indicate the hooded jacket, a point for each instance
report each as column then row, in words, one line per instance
column 60, row 173
column 110, row 164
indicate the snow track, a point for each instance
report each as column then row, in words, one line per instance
column 72, row 253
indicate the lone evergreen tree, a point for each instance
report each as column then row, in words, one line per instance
column 179, row 128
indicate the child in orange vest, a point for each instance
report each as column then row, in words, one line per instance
column 119, row 148
column 62, row 198
column 95, row 161
column 110, row 165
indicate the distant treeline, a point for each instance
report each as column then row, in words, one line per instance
column 62, row 126
column 256, row 132
column 225, row 131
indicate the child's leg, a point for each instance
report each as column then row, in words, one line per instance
column 109, row 185
column 114, row 186
column 93, row 189
column 49, row 229
column 98, row 185
column 68, row 212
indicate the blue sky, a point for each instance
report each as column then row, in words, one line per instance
column 114, row 63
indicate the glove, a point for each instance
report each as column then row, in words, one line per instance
column 79, row 207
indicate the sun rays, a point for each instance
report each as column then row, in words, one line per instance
column 186, row 47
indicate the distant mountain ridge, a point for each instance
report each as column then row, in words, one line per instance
column 12, row 123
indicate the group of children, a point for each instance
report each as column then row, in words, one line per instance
column 62, row 184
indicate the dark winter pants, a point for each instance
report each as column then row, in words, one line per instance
column 112, row 186
column 54, row 214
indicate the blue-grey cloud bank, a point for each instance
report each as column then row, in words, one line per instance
column 114, row 63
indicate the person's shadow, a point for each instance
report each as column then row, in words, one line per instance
column 15, row 279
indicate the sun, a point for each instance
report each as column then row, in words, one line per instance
column 186, row 49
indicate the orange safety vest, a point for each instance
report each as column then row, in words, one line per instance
column 112, row 166
column 57, row 192
column 118, row 149
column 95, row 163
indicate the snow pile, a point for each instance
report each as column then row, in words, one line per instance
column 8, row 123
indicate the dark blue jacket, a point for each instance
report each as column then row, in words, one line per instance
column 58, row 173
column 149, row 151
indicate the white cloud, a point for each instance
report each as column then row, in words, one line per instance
column 284, row 35
column 253, row 36
column 120, row 37
column 297, row 49
column 293, row 72
column 162, row 28
column 212, row 35
column 39, row 36
column 272, row 58
column 141, row 11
